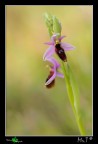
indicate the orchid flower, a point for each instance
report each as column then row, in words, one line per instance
column 50, row 81
column 58, row 47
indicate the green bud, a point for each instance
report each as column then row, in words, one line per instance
column 53, row 24
column 50, row 31
column 48, row 16
column 48, row 20
column 49, row 23
column 56, row 26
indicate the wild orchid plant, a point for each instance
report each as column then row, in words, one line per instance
column 58, row 47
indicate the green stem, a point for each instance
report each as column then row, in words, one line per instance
column 71, row 99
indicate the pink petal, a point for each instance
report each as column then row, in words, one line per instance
column 54, row 62
column 53, row 38
column 59, row 75
column 51, row 79
column 49, row 52
column 49, row 43
column 67, row 46
column 61, row 38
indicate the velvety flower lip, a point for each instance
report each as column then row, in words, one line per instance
column 54, row 70
column 51, row 50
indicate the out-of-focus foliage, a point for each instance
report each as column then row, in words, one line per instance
column 31, row 109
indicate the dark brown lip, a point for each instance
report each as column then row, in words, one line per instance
column 60, row 52
column 53, row 82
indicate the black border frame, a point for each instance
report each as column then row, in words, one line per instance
column 34, row 139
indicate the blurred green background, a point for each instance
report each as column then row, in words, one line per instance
column 31, row 109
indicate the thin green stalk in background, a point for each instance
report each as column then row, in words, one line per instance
column 72, row 94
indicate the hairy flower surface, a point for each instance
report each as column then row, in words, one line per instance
column 58, row 47
column 50, row 81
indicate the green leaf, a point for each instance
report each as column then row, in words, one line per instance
column 74, row 89
column 73, row 94
column 68, row 84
